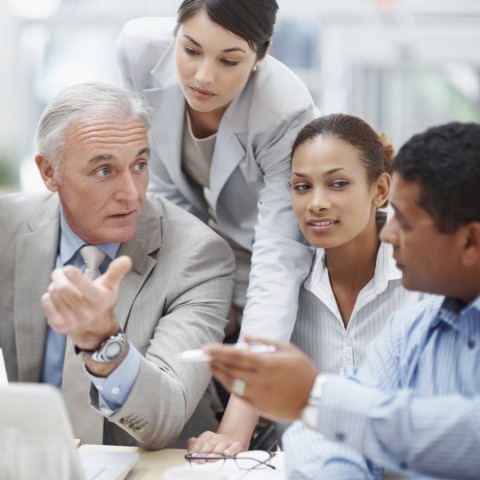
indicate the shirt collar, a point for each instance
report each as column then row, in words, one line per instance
column 451, row 309
column 317, row 270
column 385, row 268
column 70, row 243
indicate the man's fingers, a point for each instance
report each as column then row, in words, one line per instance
column 116, row 271
column 279, row 346
column 231, row 357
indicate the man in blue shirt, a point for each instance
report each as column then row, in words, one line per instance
column 111, row 342
column 413, row 407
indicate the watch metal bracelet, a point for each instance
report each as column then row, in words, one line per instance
column 108, row 351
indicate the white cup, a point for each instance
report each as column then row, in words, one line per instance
column 193, row 474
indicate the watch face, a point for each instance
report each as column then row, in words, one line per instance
column 113, row 350
column 109, row 350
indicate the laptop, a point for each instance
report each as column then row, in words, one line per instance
column 39, row 409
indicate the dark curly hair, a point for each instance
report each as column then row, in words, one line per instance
column 445, row 162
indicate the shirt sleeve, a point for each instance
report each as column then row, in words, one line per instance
column 367, row 410
column 281, row 259
column 402, row 431
column 310, row 456
column 115, row 388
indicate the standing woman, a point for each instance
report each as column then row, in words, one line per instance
column 226, row 115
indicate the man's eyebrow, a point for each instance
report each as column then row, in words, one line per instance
column 397, row 212
column 102, row 157
column 144, row 151
column 226, row 50
column 107, row 157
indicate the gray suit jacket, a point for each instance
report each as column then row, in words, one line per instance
column 250, row 166
column 176, row 297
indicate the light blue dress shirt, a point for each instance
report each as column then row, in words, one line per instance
column 413, row 407
column 115, row 388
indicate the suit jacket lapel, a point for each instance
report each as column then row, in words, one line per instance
column 35, row 260
column 227, row 155
column 169, row 103
column 229, row 151
column 147, row 241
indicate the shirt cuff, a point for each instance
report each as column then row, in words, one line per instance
column 115, row 388
column 343, row 411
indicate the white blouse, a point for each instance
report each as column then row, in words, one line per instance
column 319, row 330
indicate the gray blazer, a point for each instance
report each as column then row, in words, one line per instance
column 250, row 166
column 176, row 297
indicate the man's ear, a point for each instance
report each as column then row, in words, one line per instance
column 47, row 172
column 471, row 254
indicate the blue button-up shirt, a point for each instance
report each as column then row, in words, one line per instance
column 413, row 407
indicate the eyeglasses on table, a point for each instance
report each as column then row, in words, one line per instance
column 250, row 460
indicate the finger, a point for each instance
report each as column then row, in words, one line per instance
column 233, row 449
column 76, row 296
column 71, row 286
column 195, row 444
column 54, row 319
column 231, row 357
column 58, row 312
column 116, row 272
column 220, row 446
column 191, row 442
column 226, row 373
column 279, row 346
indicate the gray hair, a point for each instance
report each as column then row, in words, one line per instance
column 79, row 103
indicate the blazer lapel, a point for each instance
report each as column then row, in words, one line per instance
column 227, row 155
column 35, row 260
column 169, row 103
column 147, row 240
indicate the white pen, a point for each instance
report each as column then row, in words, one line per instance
column 199, row 355
column 3, row 371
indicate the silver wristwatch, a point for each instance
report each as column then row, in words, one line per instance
column 108, row 351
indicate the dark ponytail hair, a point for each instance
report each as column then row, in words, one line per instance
column 375, row 148
column 252, row 20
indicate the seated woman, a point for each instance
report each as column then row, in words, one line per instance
column 339, row 181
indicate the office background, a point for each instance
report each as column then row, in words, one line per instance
column 402, row 65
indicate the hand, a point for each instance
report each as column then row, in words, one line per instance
column 82, row 308
column 210, row 442
column 277, row 384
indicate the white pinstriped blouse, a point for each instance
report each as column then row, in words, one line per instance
column 319, row 329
